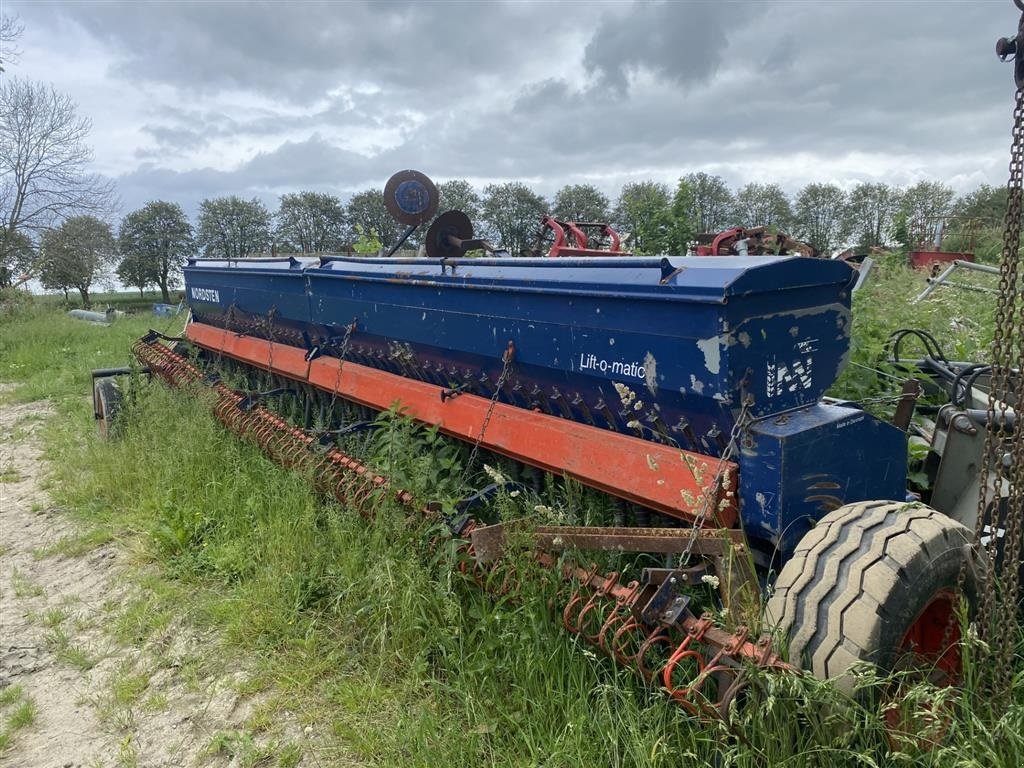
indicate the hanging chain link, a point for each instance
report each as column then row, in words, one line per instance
column 269, row 326
column 1009, row 394
column 712, row 493
column 506, row 369
column 342, row 352
column 1000, row 509
column 228, row 322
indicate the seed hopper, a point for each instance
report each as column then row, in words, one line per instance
column 691, row 391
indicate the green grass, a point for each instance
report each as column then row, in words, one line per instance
column 17, row 710
column 961, row 321
column 365, row 629
column 67, row 652
column 10, row 694
column 23, row 586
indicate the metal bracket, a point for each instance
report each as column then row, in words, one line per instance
column 449, row 394
column 667, row 606
column 668, row 271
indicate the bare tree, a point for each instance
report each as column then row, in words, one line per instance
column 10, row 31
column 44, row 161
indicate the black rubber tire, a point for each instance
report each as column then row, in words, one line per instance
column 859, row 579
column 106, row 400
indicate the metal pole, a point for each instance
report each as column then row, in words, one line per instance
column 402, row 239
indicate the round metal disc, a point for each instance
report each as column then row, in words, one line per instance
column 449, row 223
column 410, row 197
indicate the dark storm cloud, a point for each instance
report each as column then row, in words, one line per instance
column 296, row 51
column 681, row 43
column 828, row 85
column 338, row 96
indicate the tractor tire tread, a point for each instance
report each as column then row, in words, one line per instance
column 834, row 597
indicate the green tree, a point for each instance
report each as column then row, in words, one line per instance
column 459, row 195
column 76, row 255
column 684, row 219
column 643, row 216
column 922, row 207
column 155, row 241
column 710, row 201
column 16, row 256
column 986, row 202
column 366, row 243
column 819, row 216
column 757, row 205
column 311, row 222
column 136, row 270
column 230, row 227
column 512, row 212
column 978, row 227
column 367, row 210
column 581, row 202
column 870, row 211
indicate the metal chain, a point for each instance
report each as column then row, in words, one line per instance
column 228, row 321
column 506, row 369
column 996, row 613
column 712, row 492
column 269, row 325
column 342, row 352
column 1011, row 312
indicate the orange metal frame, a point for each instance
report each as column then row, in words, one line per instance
column 666, row 479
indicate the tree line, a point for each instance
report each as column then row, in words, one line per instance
column 152, row 243
column 56, row 216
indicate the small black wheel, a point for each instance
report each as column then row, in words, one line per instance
column 106, row 402
column 875, row 582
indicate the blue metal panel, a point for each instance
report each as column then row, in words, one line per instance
column 692, row 337
column 797, row 467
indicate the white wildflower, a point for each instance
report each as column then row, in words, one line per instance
column 495, row 475
column 711, row 581
column 626, row 395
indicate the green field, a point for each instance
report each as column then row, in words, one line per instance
column 366, row 629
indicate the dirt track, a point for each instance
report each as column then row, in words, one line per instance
column 101, row 699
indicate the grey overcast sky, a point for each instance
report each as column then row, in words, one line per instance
column 196, row 99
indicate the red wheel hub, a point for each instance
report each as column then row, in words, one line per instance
column 933, row 639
